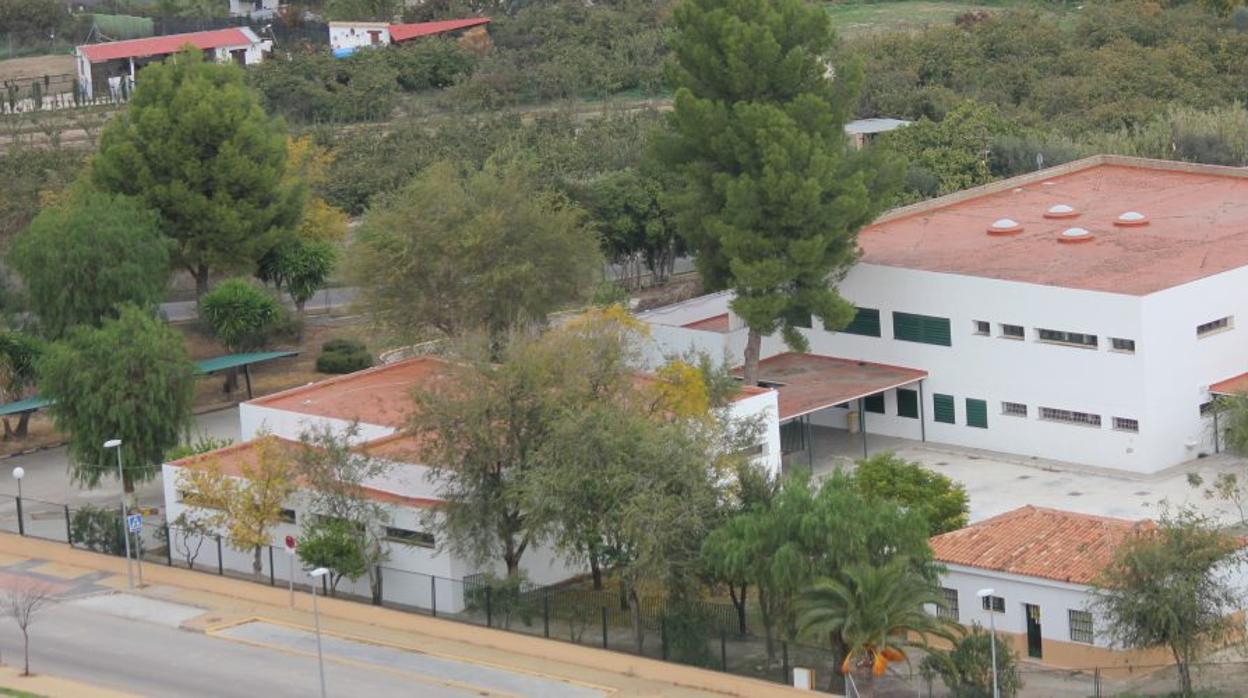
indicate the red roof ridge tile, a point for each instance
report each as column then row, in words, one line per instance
column 355, row 375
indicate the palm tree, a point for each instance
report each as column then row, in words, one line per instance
column 873, row 613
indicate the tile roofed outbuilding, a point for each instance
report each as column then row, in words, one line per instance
column 171, row 43
column 1038, row 542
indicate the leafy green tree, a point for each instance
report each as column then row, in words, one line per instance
column 299, row 267
column 19, row 358
column 460, row 249
column 129, row 379
column 635, row 227
column 941, row 501
column 772, row 198
column 1169, row 586
column 83, row 258
column 333, row 544
column 195, row 145
column 363, row 10
column 875, row 612
column 239, row 314
column 956, row 149
column 967, row 669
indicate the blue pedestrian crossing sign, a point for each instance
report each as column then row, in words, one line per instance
column 134, row 522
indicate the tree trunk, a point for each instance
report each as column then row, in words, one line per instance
column 769, row 629
column 753, row 346
column 257, row 565
column 23, row 423
column 299, row 305
column 595, row 571
column 836, row 680
column 1185, row 674
column 231, row 380
column 25, row 652
column 513, row 564
column 738, row 601
column 8, row 431
column 201, row 280
column 634, row 602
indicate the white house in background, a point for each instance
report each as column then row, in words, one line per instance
column 1040, row 565
column 347, row 37
column 254, row 8
column 862, row 131
column 379, row 400
column 1084, row 313
column 103, row 67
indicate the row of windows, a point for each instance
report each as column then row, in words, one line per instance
column 1080, row 624
column 1053, row 414
column 393, row 533
column 945, row 411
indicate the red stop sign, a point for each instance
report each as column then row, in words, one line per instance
column 290, row 542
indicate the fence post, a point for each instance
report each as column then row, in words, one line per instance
column 663, row 636
column 272, row 571
column 723, row 649
column 489, row 610
column 21, row 523
column 433, row 595
column 604, row 627
column 784, row 662
column 1096, row 682
column 69, row 528
column 546, row 613
column 169, row 544
column 220, row 557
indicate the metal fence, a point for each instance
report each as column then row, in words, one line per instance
column 703, row 633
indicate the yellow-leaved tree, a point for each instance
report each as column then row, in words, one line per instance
column 246, row 502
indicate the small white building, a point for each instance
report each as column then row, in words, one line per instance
column 379, row 401
column 259, row 9
column 106, row 66
column 1040, row 565
column 347, row 37
column 1085, row 313
column 862, row 131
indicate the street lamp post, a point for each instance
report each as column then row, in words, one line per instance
column 18, row 473
column 992, row 625
column 125, row 529
column 316, row 575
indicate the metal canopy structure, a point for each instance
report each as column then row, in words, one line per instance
column 206, row 367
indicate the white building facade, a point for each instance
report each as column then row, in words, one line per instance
column 1103, row 352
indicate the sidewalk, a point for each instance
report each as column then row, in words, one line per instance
column 229, row 603
column 53, row 687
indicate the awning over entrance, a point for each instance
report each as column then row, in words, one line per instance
column 1235, row 385
column 808, row 383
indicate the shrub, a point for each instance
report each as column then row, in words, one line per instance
column 343, row 356
column 242, row 316
column 98, row 529
column 421, row 65
column 966, row 669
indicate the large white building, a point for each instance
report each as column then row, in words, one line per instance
column 378, row 401
column 1084, row 313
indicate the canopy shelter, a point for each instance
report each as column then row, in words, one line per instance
column 205, row 367
column 1235, row 385
column 809, row 383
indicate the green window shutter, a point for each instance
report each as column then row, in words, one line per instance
column 922, row 328
column 907, row 403
column 866, row 322
column 976, row 413
column 943, row 409
column 874, row 403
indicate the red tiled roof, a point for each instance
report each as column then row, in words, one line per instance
column 403, row 32
column 1234, row 385
column 232, row 460
column 162, row 45
column 1038, row 542
column 718, row 323
column 810, row 382
column 1197, row 226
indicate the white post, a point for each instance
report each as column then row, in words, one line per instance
column 125, row 525
column 986, row 595
column 291, row 554
column 316, row 574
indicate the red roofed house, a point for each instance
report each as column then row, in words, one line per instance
column 346, row 37
column 379, row 401
column 1085, row 313
column 105, row 66
column 1041, row 565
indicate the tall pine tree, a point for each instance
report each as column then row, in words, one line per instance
column 772, row 197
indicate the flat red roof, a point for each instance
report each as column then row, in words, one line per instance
column 1197, row 226
column 1235, row 385
column 810, row 382
column 718, row 323
column 163, row 45
column 403, row 32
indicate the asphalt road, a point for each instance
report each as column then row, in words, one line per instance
column 325, row 299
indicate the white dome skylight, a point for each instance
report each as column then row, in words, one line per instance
column 1131, row 218
column 1075, row 235
column 1060, row 211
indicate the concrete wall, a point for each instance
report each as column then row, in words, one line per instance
column 354, row 35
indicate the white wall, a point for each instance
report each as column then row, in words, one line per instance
column 1054, row 598
column 764, row 408
column 255, row 418
column 351, row 35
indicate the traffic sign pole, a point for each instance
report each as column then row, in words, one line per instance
column 134, row 525
column 290, row 553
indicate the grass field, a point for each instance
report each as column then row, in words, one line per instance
column 35, row 67
column 856, row 19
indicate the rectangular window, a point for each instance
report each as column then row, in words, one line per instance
column 1126, row 424
column 874, row 403
column 409, row 537
column 983, row 327
column 926, row 329
column 943, row 409
column 976, row 413
column 1013, row 331
column 907, row 403
column 1074, row 339
column 1014, row 409
column 866, row 322
column 1081, row 626
column 996, row 604
column 1212, row 326
column 1126, row 346
column 1069, row 417
column 950, row 610
column 287, row 516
